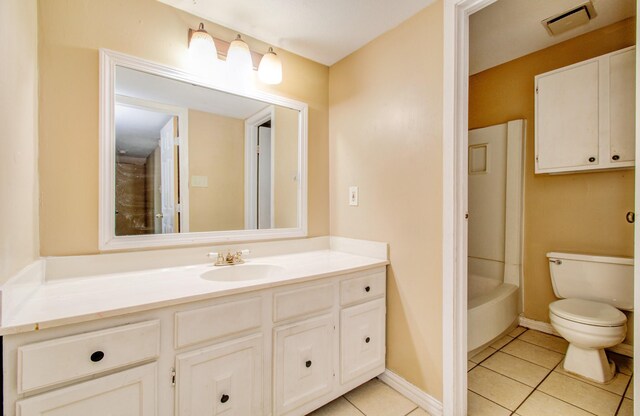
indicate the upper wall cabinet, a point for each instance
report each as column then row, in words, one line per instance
column 585, row 115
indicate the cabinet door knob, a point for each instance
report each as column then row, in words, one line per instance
column 367, row 289
column 367, row 339
column 307, row 364
column 615, row 157
column 97, row 356
column 224, row 398
column 592, row 159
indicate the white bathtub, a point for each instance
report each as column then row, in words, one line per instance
column 492, row 309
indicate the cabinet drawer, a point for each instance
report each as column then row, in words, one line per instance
column 217, row 321
column 48, row 363
column 360, row 289
column 362, row 339
column 300, row 302
column 130, row 392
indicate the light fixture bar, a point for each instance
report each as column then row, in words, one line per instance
column 223, row 47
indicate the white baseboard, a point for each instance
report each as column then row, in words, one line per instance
column 428, row 403
column 622, row 349
column 538, row 326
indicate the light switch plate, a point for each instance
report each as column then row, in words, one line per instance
column 353, row 196
column 199, row 181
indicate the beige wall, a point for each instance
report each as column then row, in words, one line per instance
column 386, row 138
column 285, row 131
column 70, row 33
column 18, row 140
column 216, row 150
column 578, row 212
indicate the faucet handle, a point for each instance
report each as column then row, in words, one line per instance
column 219, row 257
column 239, row 255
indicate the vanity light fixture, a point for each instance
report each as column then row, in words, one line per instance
column 239, row 55
column 270, row 69
column 201, row 45
column 205, row 50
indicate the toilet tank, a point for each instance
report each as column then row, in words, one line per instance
column 599, row 278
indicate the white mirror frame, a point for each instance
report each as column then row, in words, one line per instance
column 107, row 238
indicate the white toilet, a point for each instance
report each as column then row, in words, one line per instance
column 594, row 289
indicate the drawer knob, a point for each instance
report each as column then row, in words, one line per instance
column 97, row 356
column 615, row 157
column 224, row 398
column 592, row 159
column 367, row 339
column 367, row 289
column 307, row 364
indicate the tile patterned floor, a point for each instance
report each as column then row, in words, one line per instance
column 373, row 398
column 521, row 375
column 518, row 375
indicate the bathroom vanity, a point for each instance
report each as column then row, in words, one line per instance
column 279, row 335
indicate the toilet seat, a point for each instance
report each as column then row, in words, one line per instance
column 588, row 312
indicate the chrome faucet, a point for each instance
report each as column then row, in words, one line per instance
column 230, row 258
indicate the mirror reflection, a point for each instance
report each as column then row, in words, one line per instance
column 193, row 159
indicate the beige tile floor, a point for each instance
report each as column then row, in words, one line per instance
column 518, row 375
column 373, row 398
column 521, row 374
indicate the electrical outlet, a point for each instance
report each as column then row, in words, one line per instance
column 353, row 196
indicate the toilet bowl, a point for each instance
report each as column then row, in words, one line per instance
column 589, row 327
column 594, row 289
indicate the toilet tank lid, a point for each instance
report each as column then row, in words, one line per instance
column 590, row 257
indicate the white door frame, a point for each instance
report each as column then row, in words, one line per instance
column 251, row 125
column 636, row 248
column 454, row 195
column 454, row 238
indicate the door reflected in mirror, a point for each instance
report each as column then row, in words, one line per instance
column 193, row 159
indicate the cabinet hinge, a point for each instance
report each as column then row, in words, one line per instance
column 536, row 90
column 258, row 149
column 173, row 376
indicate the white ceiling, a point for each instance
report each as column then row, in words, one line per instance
column 138, row 130
column 509, row 29
column 324, row 31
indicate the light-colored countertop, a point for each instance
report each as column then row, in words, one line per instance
column 79, row 299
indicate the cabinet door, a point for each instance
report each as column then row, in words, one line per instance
column 223, row 379
column 622, row 81
column 567, row 118
column 127, row 393
column 303, row 362
column 362, row 339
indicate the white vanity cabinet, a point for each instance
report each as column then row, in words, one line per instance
column 222, row 379
column 126, row 393
column 222, row 372
column 280, row 350
column 362, row 327
column 129, row 392
column 585, row 115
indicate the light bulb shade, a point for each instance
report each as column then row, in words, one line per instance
column 239, row 55
column 202, row 49
column 270, row 69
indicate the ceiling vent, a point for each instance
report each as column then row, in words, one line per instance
column 570, row 19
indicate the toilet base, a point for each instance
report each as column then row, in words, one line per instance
column 589, row 363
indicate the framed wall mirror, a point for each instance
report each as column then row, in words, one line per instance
column 186, row 159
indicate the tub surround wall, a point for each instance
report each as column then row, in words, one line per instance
column 576, row 212
column 386, row 138
column 19, row 137
column 70, row 33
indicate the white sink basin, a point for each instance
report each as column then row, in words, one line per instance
column 241, row 272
